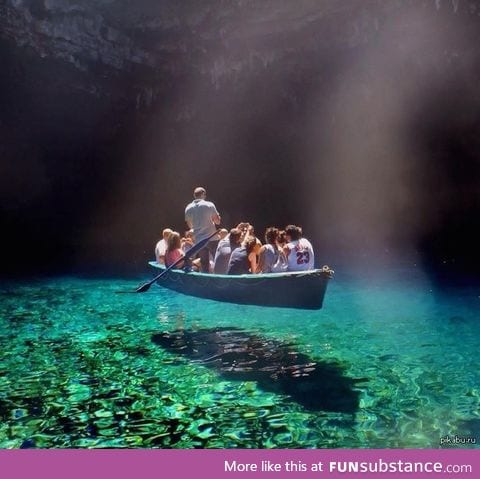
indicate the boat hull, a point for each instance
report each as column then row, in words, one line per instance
column 304, row 290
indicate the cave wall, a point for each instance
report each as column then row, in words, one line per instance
column 357, row 119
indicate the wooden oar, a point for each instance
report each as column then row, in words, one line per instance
column 191, row 252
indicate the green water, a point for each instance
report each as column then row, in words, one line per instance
column 78, row 367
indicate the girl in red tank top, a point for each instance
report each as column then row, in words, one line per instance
column 174, row 251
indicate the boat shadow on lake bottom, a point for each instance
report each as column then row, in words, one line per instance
column 277, row 367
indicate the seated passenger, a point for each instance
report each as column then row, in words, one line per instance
column 298, row 250
column 224, row 250
column 161, row 246
column 174, row 251
column 187, row 241
column 244, row 259
column 282, row 263
column 222, row 234
column 246, row 229
column 269, row 252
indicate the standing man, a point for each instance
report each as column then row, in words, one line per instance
column 201, row 216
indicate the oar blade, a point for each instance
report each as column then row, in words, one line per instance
column 143, row 288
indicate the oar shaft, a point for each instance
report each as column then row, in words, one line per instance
column 192, row 251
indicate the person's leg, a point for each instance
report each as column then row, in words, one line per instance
column 188, row 265
column 212, row 249
column 204, row 255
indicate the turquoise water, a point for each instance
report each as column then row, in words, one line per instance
column 389, row 362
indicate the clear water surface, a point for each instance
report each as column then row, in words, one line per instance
column 389, row 362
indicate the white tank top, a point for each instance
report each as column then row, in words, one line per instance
column 301, row 255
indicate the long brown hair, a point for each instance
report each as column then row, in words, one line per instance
column 250, row 244
column 174, row 241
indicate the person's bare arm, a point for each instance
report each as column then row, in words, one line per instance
column 197, row 264
column 182, row 263
column 160, row 257
column 261, row 259
column 188, row 218
column 252, row 258
column 216, row 219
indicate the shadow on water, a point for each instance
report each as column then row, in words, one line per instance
column 276, row 367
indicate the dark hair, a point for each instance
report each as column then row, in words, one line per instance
column 281, row 237
column 250, row 244
column 295, row 232
column 271, row 235
column 235, row 236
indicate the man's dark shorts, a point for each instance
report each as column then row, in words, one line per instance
column 204, row 255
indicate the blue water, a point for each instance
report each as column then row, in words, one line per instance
column 79, row 367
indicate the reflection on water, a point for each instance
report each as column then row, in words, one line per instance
column 239, row 356
column 82, row 367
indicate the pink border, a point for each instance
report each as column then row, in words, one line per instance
column 210, row 464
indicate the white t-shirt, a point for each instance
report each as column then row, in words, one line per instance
column 160, row 250
column 199, row 213
column 301, row 256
